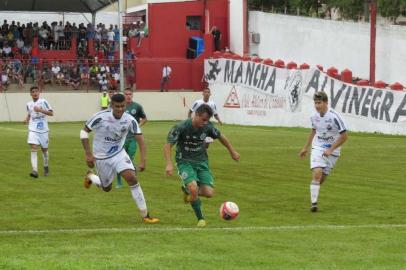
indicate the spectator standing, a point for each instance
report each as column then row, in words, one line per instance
column 166, row 74
column 216, row 38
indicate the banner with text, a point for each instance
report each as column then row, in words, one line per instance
column 251, row 93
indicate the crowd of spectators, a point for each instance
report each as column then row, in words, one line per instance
column 20, row 63
column 76, row 74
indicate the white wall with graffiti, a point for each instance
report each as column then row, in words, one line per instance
column 331, row 43
column 249, row 93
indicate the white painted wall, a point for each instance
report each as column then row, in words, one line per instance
column 331, row 43
column 81, row 106
column 237, row 26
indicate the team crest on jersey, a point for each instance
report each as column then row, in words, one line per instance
column 133, row 111
column 184, row 175
column 329, row 127
column 203, row 136
column 123, row 129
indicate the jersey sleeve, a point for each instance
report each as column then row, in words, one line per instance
column 313, row 123
column 47, row 106
column 194, row 106
column 214, row 109
column 173, row 135
column 214, row 132
column 134, row 127
column 141, row 113
column 340, row 124
column 94, row 122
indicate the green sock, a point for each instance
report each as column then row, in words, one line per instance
column 196, row 205
column 119, row 182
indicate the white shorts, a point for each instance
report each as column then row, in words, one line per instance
column 107, row 169
column 38, row 139
column 318, row 160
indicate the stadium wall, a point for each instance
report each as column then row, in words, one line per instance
column 237, row 26
column 330, row 43
column 80, row 106
column 256, row 94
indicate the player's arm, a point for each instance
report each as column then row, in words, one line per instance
column 143, row 150
column 305, row 148
column 46, row 112
column 234, row 154
column 218, row 119
column 84, row 138
column 340, row 141
column 168, row 159
column 27, row 119
column 142, row 122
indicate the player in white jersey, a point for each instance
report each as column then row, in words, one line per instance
column 38, row 109
column 328, row 134
column 111, row 127
column 205, row 100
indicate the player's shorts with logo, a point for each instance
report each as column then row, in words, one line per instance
column 108, row 168
column 195, row 171
column 38, row 139
column 319, row 160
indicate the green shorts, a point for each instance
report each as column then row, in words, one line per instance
column 130, row 146
column 195, row 171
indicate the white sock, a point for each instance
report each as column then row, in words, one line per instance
column 34, row 161
column 46, row 158
column 139, row 199
column 95, row 179
column 314, row 191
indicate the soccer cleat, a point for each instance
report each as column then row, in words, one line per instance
column 150, row 220
column 46, row 171
column 119, row 186
column 87, row 182
column 34, row 174
column 314, row 207
column 201, row 223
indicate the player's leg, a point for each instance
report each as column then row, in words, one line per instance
column 119, row 181
column 206, row 180
column 318, row 163
column 104, row 177
column 190, row 188
column 44, row 141
column 138, row 195
column 125, row 167
column 317, row 175
column 34, row 160
column 33, row 142
column 130, row 147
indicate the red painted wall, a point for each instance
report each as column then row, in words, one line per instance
column 168, row 41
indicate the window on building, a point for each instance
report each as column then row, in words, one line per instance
column 194, row 22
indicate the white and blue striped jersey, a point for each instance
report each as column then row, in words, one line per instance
column 38, row 121
column 199, row 102
column 328, row 128
column 110, row 133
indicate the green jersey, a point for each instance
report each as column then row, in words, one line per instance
column 137, row 112
column 190, row 142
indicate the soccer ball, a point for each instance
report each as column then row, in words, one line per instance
column 229, row 211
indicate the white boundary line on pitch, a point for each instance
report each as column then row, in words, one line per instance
column 194, row 229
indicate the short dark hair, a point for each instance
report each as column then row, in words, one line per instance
column 204, row 108
column 128, row 89
column 206, row 88
column 320, row 96
column 33, row 87
column 118, row 98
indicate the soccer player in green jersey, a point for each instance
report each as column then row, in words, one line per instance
column 136, row 110
column 191, row 157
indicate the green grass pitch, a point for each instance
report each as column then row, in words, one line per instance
column 54, row 223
